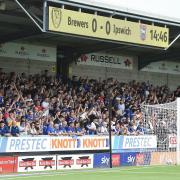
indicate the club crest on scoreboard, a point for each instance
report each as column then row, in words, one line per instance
column 56, row 16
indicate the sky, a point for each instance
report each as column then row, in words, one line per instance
column 165, row 8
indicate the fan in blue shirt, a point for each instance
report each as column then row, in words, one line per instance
column 4, row 130
column 14, row 129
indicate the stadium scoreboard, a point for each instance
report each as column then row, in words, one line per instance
column 107, row 28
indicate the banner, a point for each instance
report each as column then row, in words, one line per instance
column 79, row 143
column 133, row 143
column 63, row 143
column 81, row 161
column 101, row 160
column 50, row 143
column 106, row 60
column 115, row 160
column 135, row 158
column 172, row 141
column 128, row 159
column 8, row 164
column 143, row 158
column 163, row 158
column 28, row 144
column 90, row 25
column 139, row 142
column 36, row 163
column 29, row 52
column 167, row 67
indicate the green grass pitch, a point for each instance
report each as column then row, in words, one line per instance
column 124, row 173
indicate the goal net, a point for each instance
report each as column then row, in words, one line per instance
column 163, row 120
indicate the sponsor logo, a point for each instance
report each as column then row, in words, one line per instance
column 128, row 159
column 56, row 16
column 83, row 161
column 66, row 162
column 8, row 164
column 27, row 163
column 131, row 159
column 84, row 58
column 43, row 53
column 22, row 51
column 105, row 160
column 140, row 159
column 47, row 162
column 115, row 160
column 101, row 160
column 127, row 62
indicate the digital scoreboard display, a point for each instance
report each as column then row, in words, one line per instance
column 107, row 28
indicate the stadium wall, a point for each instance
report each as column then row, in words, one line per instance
column 124, row 75
column 28, row 58
column 27, row 66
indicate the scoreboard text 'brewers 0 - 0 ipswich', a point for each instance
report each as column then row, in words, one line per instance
column 107, row 28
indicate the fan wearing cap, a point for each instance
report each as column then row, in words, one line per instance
column 4, row 130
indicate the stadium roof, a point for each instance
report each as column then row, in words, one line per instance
column 155, row 13
column 17, row 25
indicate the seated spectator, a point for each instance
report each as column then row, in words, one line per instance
column 50, row 129
column 63, row 128
column 78, row 130
column 116, row 129
column 140, row 129
column 131, row 129
column 4, row 130
column 15, row 129
column 71, row 128
column 57, row 129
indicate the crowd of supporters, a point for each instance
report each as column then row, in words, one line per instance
column 44, row 105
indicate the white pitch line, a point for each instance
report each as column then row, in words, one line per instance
column 49, row 174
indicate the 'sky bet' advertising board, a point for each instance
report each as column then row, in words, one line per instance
column 107, row 28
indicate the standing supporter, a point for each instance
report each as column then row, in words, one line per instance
column 76, row 107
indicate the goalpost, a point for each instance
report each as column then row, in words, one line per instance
column 163, row 120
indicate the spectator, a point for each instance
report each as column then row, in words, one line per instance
column 140, row 129
column 76, row 107
column 4, row 130
column 15, row 129
column 24, row 127
column 33, row 130
column 78, row 130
